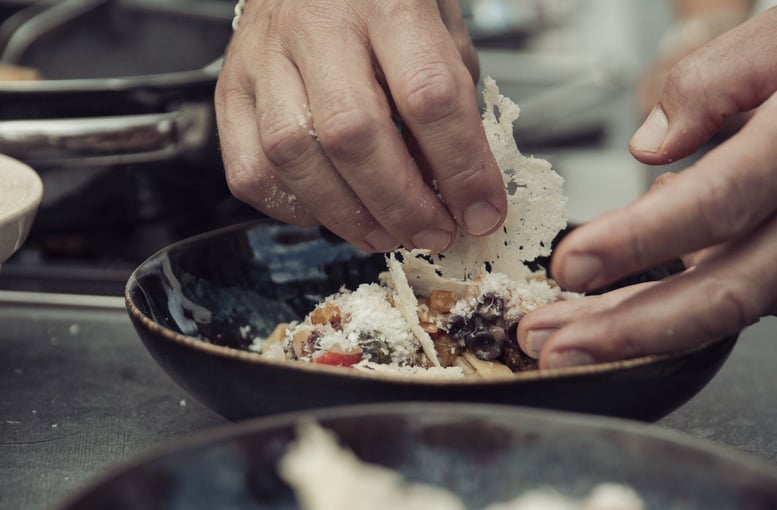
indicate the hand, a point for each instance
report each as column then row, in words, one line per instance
column 721, row 211
column 304, row 106
column 699, row 22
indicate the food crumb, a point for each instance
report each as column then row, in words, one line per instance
column 182, row 402
column 74, row 329
column 54, row 425
column 13, row 422
column 54, row 340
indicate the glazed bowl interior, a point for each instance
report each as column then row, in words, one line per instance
column 483, row 454
column 197, row 305
column 21, row 192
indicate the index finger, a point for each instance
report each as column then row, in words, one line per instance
column 726, row 194
column 435, row 96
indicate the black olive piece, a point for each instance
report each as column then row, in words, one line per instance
column 512, row 330
column 459, row 326
column 490, row 307
column 486, row 344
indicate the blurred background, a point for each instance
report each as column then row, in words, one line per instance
column 111, row 102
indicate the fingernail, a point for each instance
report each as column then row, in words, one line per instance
column 535, row 339
column 569, row 358
column 381, row 241
column 580, row 271
column 481, row 218
column 434, row 240
column 651, row 134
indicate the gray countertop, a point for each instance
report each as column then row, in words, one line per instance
column 80, row 396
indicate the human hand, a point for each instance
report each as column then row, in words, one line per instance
column 721, row 213
column 698, row 23
column 304, row 107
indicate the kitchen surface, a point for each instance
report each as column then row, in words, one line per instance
column 80, row 395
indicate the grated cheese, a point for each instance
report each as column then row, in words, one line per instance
column 407, row 304
column 368, row 309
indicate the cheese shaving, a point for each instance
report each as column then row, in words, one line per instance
column 407, row 304
column 536, row 203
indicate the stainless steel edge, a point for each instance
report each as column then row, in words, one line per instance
column 46, row 299
column 107, row 140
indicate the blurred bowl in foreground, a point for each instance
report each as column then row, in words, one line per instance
column 198, row 304
column 21, row 192
column 484, row 454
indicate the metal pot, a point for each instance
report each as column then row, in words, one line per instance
column 124, row 81
column 121, row 128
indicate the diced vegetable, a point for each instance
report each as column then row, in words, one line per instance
column 441, row 301
column 327, row 313
column 339, row 359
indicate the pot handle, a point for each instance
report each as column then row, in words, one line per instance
column 103, row 141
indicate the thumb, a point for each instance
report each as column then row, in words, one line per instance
column 732, row 74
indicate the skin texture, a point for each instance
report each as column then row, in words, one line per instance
column 720, row 216
column 307, row 108
column 699, row 21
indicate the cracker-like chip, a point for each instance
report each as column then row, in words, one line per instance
column 537, row 204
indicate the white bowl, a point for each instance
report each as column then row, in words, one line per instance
column 21, row 191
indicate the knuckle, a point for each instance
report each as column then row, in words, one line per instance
column 625, row 345
column 404, row 212
column 347, row 133
column 284, row 142
column 431, row 94
column 689, row 88
column 730, row 307
column 243, row 181
column 639, row 252
column 723, row 207
column 463, row 175
column 683, row 79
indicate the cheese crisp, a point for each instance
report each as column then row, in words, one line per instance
column 453, row 314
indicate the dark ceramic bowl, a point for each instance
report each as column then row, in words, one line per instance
column 482, row 453
column 197, row 305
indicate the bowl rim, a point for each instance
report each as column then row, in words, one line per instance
column 17, row 219
column 34, row 189
column 392, row 378
column 448, row 410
